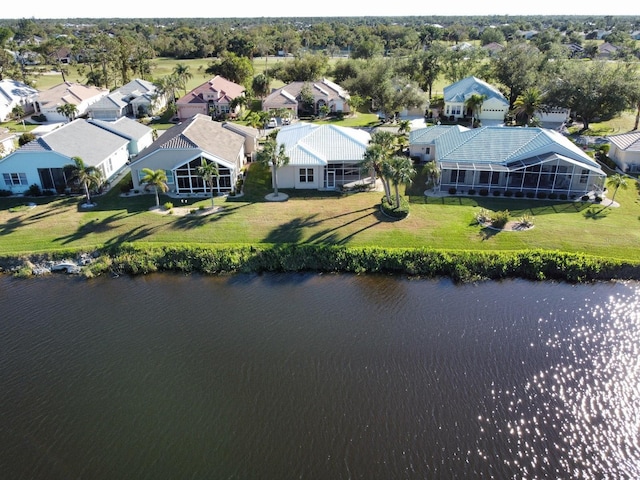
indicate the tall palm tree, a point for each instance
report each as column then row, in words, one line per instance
column 208, row 172
column 527, row 104
column 273, row 155
column 87, row 176
column 617, row 181
column 69, row 110
column 182, row 73
column 474, row 103
column 432, row 172
column 401, row 173
column 156, row 179
column 373, row 160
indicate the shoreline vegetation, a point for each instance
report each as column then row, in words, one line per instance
column 460, row 266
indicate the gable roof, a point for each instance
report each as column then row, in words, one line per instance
column 125, row 127
column 288, row 94
column 70, row 140
column 219, row 88
column 626, row 141
column 199, row 133
column 68, row 92
column 460, row 91
column 308, row 144
column 14, row 91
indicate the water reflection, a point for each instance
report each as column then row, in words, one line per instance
column 580, row 416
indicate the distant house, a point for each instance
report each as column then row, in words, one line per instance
column 42, row 161
column 324, row 92
column 625, row 151
column 82, row 96
column 523, row 161
column 14, row 93
column 250, row 135
column 139, row 136
column 212, row 98
column 494, row 108
column 136, row 98
column 180, row 151
column 607, row 50
column 322, row 157
column 493, row 48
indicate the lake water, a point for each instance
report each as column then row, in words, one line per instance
column 317, row 377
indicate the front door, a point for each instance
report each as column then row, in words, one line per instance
column 331, row 179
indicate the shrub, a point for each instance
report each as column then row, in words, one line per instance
column 542, row 195
column 483, row 216
column 389, row 209
column 484, row 192
column 598, row 199
column 562, row 196
column 530, row 195
column 519, row 194
column 472, row 191
column 26, row 138
column 508, row 193
column 48, row 193
column 168, row 206
column 193, row 211
column 496, row 193
column 452, row 190
column 201, row 207
column 500, row 219
column 526, row 220
column 5, row 193
column 585, row 198
column 34, row 190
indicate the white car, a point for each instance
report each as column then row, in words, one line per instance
column 273, row 123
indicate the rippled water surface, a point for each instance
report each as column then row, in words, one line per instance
column 317, row 377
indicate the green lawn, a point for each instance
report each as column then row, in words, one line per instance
column 312, row 217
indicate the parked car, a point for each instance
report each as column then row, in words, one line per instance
column 286, row 121
column 273, row 123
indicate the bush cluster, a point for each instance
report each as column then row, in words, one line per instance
column 390, row 209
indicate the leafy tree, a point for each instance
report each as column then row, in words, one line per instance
column 275, row 156
column 491, row 35
column 25, row 138
column 232, row 67
column 355, row 102
column 459, row 63
column 209, row 173
column 156, row 179
column 87, row 176
column 304, row 68
column 518, row 67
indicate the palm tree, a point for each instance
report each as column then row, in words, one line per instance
column 156, row 179
column 432, row 172
column 69, row 110
column 87, row 176
column 404, row 127
column 401, row 173
column 373, row 160
column 273, row 155
column 617, row 181
column 474, row 103
column 527, row 104
column 208, row 172
column 182, row 73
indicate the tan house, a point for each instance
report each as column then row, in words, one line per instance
column 82, row 96
column 324, row 92
column 212, row 98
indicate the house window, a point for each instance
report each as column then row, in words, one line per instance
column 457, row 110
column 484, row 177
column 584, row 176
column 306, row 175
column 427, row 151
column 15, row 178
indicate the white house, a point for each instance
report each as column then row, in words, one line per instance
column 42, row 161
column 82, row 96
column 324, row 93
column 625, row 151
column 14, row 93
column 136, row 98
column 494, row 108
column 520, row 160
column 180, row 151
column 322, row 157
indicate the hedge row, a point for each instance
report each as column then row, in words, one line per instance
column 461, row 266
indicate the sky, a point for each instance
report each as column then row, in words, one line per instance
column 309, row 8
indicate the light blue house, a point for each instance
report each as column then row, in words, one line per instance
column 494, row 108
column 42, row 161
column 524, row 160
column 139, row 136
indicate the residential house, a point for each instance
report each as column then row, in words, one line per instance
column 324, row 93
column 82, row 96
column 42, row 161
column 139, row 136
column 180, row 151
column 493, row 110
column 522, row 161
column 625, row 151
column 135, row 99
column 607, row 50
column 14, row 93
column 212, row 98
column 250, row 135
column 493, row 48
column 7, row 142
column 322, row 157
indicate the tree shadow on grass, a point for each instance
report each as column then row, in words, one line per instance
column 487, row 233
column 11, row 225
column 596, row 213
column 91, row 227
column 195, row 220
column 137, row 234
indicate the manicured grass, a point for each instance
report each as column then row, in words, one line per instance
column 311, row 217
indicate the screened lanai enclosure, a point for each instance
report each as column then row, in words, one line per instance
column 188, row 181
